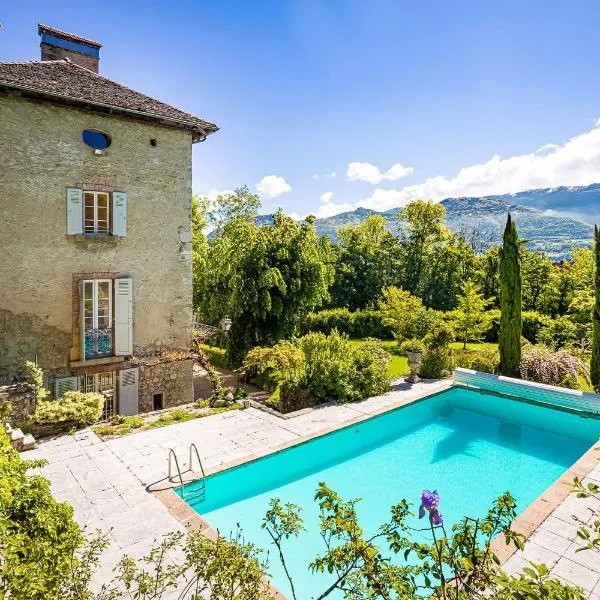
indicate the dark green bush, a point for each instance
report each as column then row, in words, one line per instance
column 533, row 322
column 357, row 324
column 437, row 360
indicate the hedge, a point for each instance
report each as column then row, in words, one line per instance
column 357, row 324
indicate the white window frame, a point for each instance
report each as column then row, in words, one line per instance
column 96, row 230
column 95, row 283
column 93, row 382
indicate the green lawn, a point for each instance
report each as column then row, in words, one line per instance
column 399, row 365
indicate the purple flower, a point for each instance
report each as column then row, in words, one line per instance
column 429, row 503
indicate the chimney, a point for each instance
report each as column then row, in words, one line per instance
column 58, row 45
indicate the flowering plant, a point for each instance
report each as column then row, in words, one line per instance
column 429, row 503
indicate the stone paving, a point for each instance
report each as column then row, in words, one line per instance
column 106, row 482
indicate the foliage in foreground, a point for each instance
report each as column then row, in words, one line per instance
column 44, row 556
column 595, row 360
column 38, row 537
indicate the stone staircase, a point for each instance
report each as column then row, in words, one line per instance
column 20, row 441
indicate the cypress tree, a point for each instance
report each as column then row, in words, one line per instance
column 595, row 360
column 511, row 325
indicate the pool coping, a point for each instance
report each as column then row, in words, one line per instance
column 525, row 524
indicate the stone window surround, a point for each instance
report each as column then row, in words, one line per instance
column 101, row 186
column 76, row 312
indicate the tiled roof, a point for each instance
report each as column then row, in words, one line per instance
column 67, row 36
column 65, row 81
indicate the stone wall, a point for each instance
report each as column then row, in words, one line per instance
column 171, row 378
column 42, row 155
column 21, row 398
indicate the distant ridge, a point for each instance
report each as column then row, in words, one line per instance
column 551, row 219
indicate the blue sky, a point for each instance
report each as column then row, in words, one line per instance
column 303, row 89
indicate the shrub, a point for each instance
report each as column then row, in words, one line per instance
column 485, row 360
column 327, row 366
column 405, row 314
column 79, row 408
column 558, row 333
column 560, row 368
column 437, row 361
column 324, row 367
column 37, row 379
column 216, row 356
column 271, row 366
column 357, row 324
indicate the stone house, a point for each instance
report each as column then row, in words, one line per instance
column 95, row 235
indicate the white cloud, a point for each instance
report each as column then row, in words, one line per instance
column 330, row 208
column 326, row 196
column 214, row 193
column 576, row 162
column 547, row 148
column 296, row 216
column 362, row 171
column 332, row 174
column 272, row 186
column 316, row 176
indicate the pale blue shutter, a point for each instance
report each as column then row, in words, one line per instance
column 74, row 211
column 128, row 392
column 123, row 316
column 119, row 204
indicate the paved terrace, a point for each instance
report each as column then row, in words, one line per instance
column 106, row 482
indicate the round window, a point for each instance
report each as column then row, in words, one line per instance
column 95, row 139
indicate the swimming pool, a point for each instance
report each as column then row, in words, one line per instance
column 468, row 445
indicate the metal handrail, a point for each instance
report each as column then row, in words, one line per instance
column 172, row 453
column 192, row 445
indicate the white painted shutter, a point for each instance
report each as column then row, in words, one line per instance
column 128, row 392
column 123, row 316
column 74, row 211
column 119, row 203
column 64, row 384
column 81, row 321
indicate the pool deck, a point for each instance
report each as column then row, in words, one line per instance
column 107, row 482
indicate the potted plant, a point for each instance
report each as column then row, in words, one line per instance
column 414, row 351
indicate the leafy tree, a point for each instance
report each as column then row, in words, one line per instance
column 200, row 250
column 470, row 318
column 511, row 326
column 489, row 275
column 535, row 269
column 595, row 360
column 266, row 278
column 367, row 261
column 405, row 314
column 450, row 261
column 423, row 223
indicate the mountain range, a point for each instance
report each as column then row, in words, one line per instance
column 550, row 219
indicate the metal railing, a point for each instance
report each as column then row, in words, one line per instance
column 200, row 491
column 173, row 455
column 98, row 342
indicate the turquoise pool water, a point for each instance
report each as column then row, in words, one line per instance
column 470, row 446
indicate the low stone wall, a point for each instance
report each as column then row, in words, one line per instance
column 171, row 378
column 21, row 398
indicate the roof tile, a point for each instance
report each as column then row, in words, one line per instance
column 64, row 79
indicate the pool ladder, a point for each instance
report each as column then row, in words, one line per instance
column 199, row 493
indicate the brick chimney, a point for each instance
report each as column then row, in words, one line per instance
column 58, row 45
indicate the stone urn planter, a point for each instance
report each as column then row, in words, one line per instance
column 414, row 362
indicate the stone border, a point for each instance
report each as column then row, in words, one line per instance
column 547, row 502
column 526, row 523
